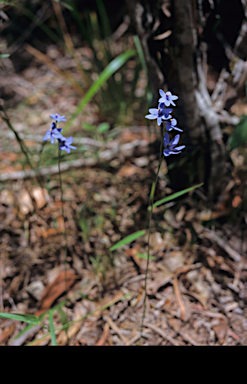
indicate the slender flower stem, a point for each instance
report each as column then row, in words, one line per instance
column 22, row 147
column 151, row 201
column 65, row 233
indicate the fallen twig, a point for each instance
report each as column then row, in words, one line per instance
column 126, row 150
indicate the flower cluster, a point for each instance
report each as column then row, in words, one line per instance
column 55, row 133
column 163, row 115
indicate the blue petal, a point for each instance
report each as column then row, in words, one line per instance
column 47, row 135
column 166, row 139
column 153, row 111
column 69, row 140
column 166, row 152
column 162, row 93
column 150, row 117
column 169, row 127
column 175, row 140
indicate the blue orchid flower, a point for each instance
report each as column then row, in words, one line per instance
column 65, row 144
column 57, row 117
column 170, row 146
column 167, row 98
column 172, row 125
column 53, row 133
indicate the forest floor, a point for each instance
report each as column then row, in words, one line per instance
column 197, row 277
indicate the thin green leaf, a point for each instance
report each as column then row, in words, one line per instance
column 111, row 68
column 52, row 330
column 63, row 316
column 145, row 256
column 26, row 329
column 84, row 317
column 2, row 55
column 128, row 239
column 174, row 196
column 140, row 53
column 31, row 319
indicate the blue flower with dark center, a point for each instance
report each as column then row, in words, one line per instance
column 65, row 144
column 57, row 117
column 53, row 133
column 159, row 113
column 172, row 125
column 167, row 98
column 170, row 145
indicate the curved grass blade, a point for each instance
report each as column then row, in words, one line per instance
column 111, row 68
column 31, row 319
column 174, row 196
column 128, row 239
column 52, row 330
column 83, row 317
column 144, row 256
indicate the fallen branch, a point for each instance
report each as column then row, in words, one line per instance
column 135, row 148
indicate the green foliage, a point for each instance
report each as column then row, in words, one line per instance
column 174, row 196
column 111, row 68
column 31, row 319
column 128, row 239
column 144, row 256
column 52, row 330
column 239, row 136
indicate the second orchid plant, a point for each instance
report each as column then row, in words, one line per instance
column 163, row 115
column 64, row 144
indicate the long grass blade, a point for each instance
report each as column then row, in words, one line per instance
column 128, row 239
column 52, row 330
column 31, row 319
column 111, row 68
column 174, row 196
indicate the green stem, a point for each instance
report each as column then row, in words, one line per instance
column 65, row 233
column 151, row 201
column 22, row 146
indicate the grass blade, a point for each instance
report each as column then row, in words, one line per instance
column 52, row 330
column 31, row 319
column 111, row 68
column 128, row 239
column 174, row 196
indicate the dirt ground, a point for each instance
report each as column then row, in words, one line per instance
column 197, row 275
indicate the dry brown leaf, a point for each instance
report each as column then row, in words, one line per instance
column 236, row 201
column 175, row 324
column 25, row 202
column 161, row 279
column 55, row 289
column 221, row 330
column 63, row 338
column 199, row 285
column 132, row 252
column 51, row 231
column 104, row 335
column 179, row 298
column 174, row 260
column 40, row 196
column 7, row 332
column 128, row 170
